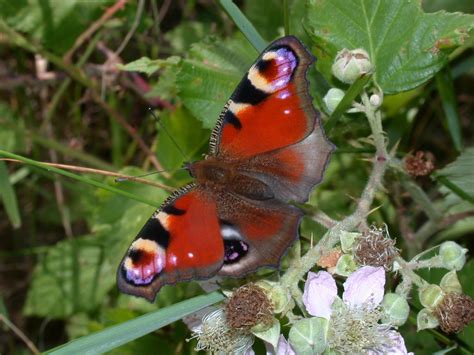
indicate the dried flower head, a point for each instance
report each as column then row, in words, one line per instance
column 376, row 248
column 420, row 164
column 248, row 306
column 454, row 312
column 215, row 335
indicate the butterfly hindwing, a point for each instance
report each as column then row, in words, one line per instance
column 271, row 107
column 255, row 233
column 181, row 241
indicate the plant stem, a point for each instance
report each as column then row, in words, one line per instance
column 299, row 268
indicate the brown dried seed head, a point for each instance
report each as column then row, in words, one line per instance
column 420, row 164
column 375, row 248
column 455, row 312
column 248, row 306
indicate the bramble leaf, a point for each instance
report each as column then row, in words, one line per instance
column 407, row 46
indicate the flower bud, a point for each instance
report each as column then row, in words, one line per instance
column 426, row 320
column 430, row 296
column 332, row 98
column 345, row 265
column 375, row 100
column 450, row 283
column 350, row 65
column 309, row 335
column 453, row 256
column 396, row 309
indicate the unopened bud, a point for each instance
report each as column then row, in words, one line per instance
column 396, row 309
column 350, row 65
column 450, row 283
column 332, row 98
column 453, row 256
column 430, row 296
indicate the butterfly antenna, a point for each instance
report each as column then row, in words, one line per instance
column 169, row 135
column 131, row 178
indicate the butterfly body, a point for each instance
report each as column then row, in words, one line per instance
column 267, row 150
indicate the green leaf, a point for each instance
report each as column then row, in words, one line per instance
column 10, row 138
column 185, row 34
column 206, row 80
column 56, row 278
column 459, row 175
column 407, row 46
column 180, row 128
column 244, row 25
column 55, row 23
column 266, row 16
column 115, row 336
column 444, row 83
column 149, row 66
column 8, row 196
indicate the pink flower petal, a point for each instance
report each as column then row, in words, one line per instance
column 320, row 290
column 365, row 285
column 397, row 347
column 284, row 348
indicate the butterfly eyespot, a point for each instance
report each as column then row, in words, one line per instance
column 234, row 247
column 234, row 250
column 144, row 261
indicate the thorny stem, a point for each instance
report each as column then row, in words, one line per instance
column 409, row 277
column 358, row 218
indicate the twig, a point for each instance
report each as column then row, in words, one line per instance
column 102, row 172
column 119, row 5
column 324, row 220
column 163, row 10
column 20, row 334
column 136, row 22
column 432, row 227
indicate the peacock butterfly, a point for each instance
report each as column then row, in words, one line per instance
column 267, row 149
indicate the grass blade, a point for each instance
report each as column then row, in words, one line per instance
column 354, row 90
column 444, row 83
column 244, row 25
column 117, row 335
column 78, row 178
column 454, row 188
column 8, row 196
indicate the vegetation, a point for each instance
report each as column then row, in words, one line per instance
column 76, row 81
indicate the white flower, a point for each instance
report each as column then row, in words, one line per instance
column 354, row 321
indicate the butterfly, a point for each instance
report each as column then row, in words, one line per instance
column 267, row 150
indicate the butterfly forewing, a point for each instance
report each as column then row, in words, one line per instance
column 181, row 241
